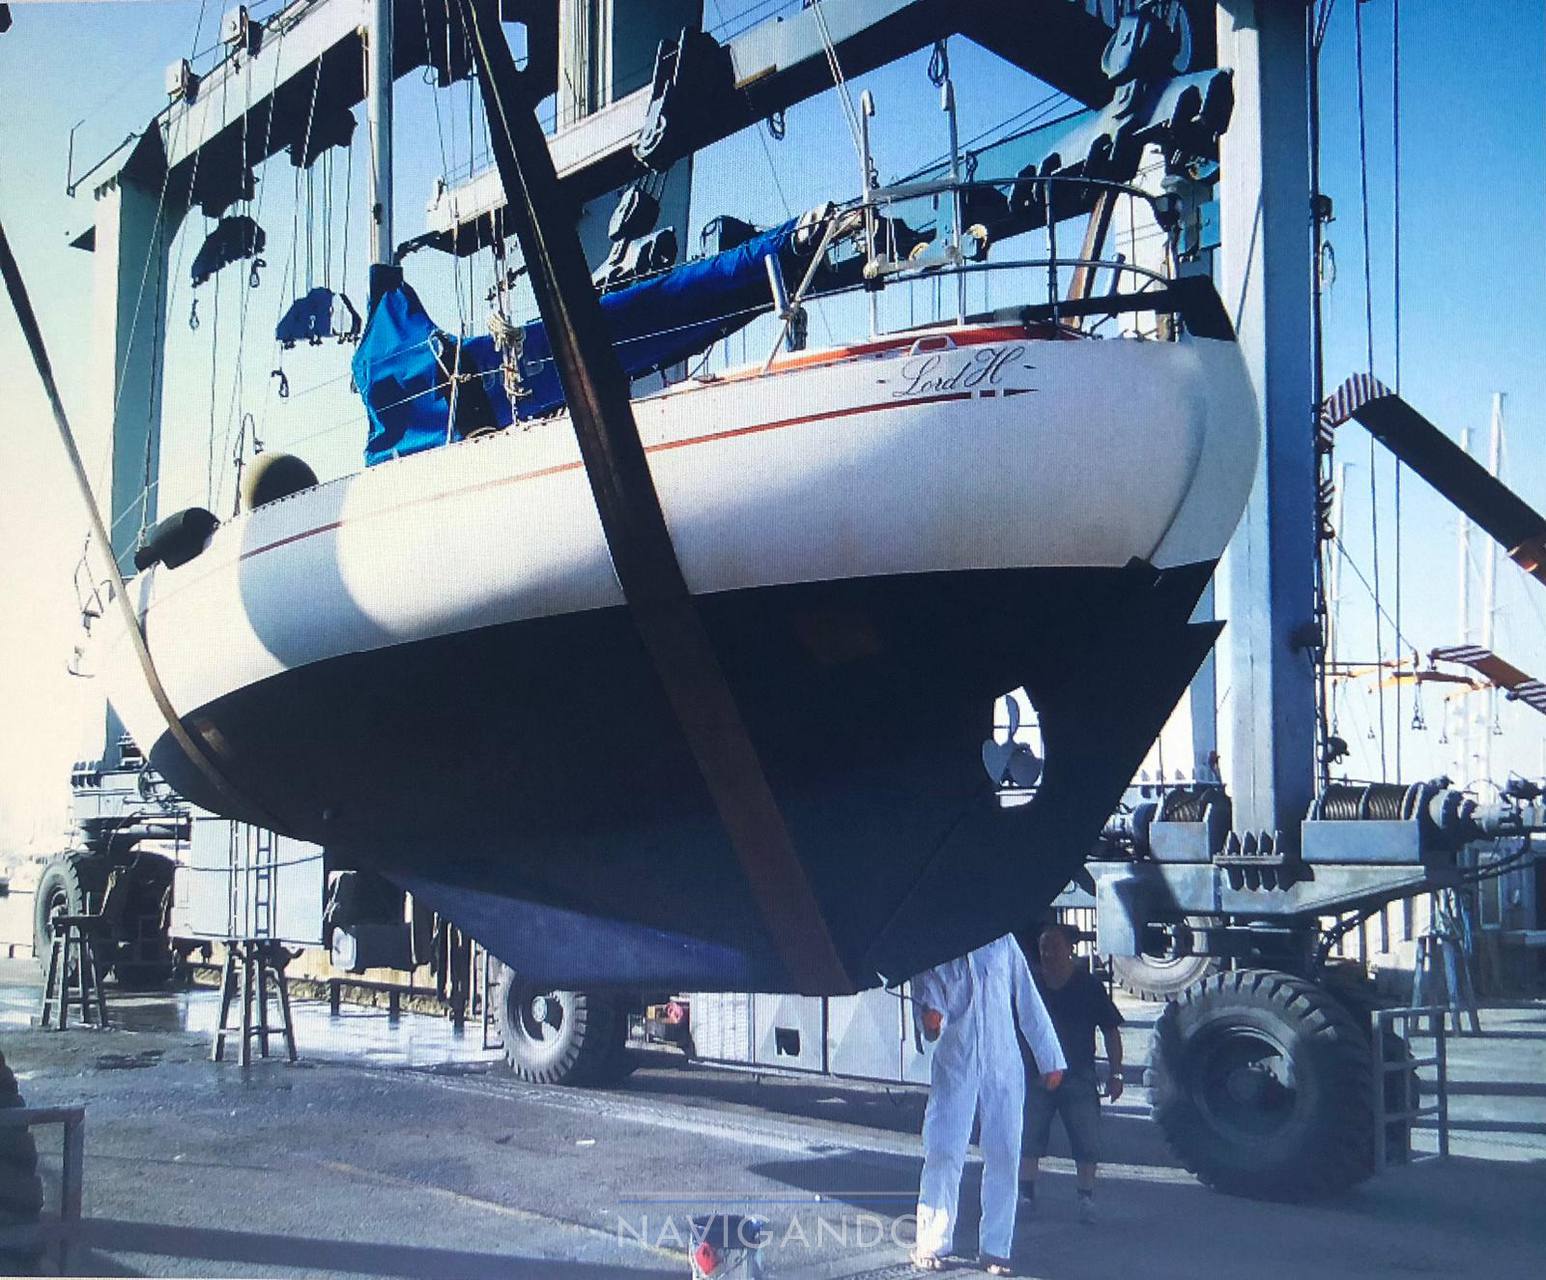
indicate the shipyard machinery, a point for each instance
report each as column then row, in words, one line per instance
column 1262, row 1057
column 127, row 824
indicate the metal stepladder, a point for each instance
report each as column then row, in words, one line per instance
column 71, row 939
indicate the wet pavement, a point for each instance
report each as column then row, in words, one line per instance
column 357, row 1034
column 406, row 1150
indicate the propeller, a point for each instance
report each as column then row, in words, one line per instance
column 1011, row 762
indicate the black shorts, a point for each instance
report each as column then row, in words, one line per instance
column 1077, row 1100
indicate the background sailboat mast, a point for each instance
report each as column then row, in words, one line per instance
column 378, row 43
column 1489, row 586
column 1463, row 608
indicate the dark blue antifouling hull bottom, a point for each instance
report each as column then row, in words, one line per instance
column 529, row 782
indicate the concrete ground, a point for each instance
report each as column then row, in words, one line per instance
column 407, row 1151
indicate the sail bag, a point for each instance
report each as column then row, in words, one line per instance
column 424, row 387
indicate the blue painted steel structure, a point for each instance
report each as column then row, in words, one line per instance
column 1264, row 274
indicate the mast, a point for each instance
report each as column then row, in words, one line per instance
column 378, row 43
column 1489, row 585
column 1463, row 610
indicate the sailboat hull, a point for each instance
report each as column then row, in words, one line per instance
column 529, row 780
column 429, row 669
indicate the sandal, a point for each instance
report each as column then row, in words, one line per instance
column 926, row 1261
column 996, row 1266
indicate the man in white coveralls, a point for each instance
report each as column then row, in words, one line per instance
column 971, row 1007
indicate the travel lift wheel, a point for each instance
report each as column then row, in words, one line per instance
column 21, row 1190
column 561, row 1037
column 75, row 883
column 1262, row 1086
column 1157, row 978
column 66, row 886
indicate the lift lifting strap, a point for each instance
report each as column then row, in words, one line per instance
column 597, row 393
column 1464, row 482
column 201, row 759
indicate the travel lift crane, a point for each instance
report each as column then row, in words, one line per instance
column 1265, row 1074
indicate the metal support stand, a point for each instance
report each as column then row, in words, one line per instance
column 1441, row 981
column 72, row 941
column 254, row 972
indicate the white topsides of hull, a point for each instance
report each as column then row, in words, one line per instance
column 967, row 449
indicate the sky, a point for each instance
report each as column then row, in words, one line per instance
column 1473, row 273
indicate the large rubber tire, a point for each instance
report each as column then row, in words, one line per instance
column 1159, row 978
column 1262, row 1087
column 71, row 884
column 21, row 1190
column 75, row 883
column 558, row 1037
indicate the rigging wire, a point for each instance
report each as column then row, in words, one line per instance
column 214, row 342
column 157, row 231
column 361, row 417
column 783, row 198
column 197, row 754
column 474, row 111
column 447, row 154
column 239, row 362
column 839, row 81
column 1026, row 119
column 327, row 219
column 292, row 256
column 1327, row 613
column 1374, row 492
column 158, row 381
column 159, row 228
column 1325, row 17
column 1368, row 586
column 1395, row 117
column 343, row 264
column 214, row 394
column 142, row 502
column 233, row 411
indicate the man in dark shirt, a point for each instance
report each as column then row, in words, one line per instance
column 1078, row 1004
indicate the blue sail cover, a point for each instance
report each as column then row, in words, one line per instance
column 404, row 361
